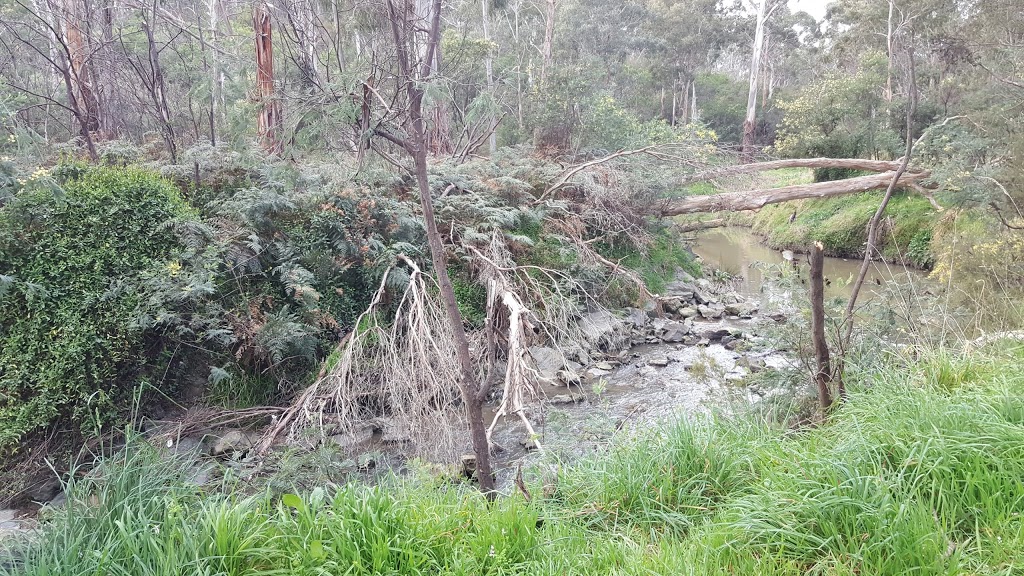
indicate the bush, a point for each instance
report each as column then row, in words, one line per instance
column 70, row 250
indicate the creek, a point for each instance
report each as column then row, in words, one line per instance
column 648, row 377
column 740, row 253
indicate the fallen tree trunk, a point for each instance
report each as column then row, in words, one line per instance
column 702, row 225
column 846, row 163
column 755, row 199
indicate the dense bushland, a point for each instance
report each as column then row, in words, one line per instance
column 921, row 471
column 74, row 247
column 229, row 281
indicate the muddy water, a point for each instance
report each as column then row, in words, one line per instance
column 741, row 253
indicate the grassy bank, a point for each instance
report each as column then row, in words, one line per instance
column 841, row 223
column 921, row 472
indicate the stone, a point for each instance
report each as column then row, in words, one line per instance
column 604, row 366
column 711, row 311
column 468, row 465
column 704, row 297
column 688, row 312
column 571, row 398
column 646, row 370
column 232, row 441
column 741, row 309
column 547, row 360
column 355, row 439
column 691, row 340
column 751, row 363
column 715, row 334
column 595, row 373
column 675, row 332
column 528, row 444
column 58, row 501
column 659, row 360
column 636, row 317
column 44, row 490
column 604, row 331
column 569, row 377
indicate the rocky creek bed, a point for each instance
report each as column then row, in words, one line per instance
column 691, row 352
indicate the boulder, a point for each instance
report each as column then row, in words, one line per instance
column 571, row 398
column 233, row 441
column 604, row 331
column 676, row 331
column 688, row 312
column 548, row 361
column 659, row 360
column 569, row 377
column 715, row 334
column 741, row 309
column 355, row 439
column 636, row 317
column 711, row 311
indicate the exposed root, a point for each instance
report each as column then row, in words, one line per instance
column 400, row 365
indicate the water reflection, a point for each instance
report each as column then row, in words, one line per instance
column 741, row 254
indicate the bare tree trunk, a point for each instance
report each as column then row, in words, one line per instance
column 549, row 39
column 79, row 55
column 823, row 373
column 158, row 91
column 754, row 199
column 763, row 13
column 889, row 43
column 492, row 138
column 473, row 393
column 270, row 122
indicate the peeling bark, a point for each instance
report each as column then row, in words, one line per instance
column 270, row 120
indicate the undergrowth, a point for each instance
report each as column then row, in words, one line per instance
column 920, row 472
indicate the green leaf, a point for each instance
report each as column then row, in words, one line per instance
column 292, row 501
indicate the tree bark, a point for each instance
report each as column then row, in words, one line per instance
column 492, row 138
column 754, row 199
column 849, row 163
column 473, row 393
column 549, row 39
column 823, row 371
column 755, row 69
column 270, row 121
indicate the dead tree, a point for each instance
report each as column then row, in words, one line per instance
column 823, row 366
column 270, row 121
column 415, row 56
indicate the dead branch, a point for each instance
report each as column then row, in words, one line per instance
column 847, row 163
column 701, row 225
column 566, row 175
column 755, row 199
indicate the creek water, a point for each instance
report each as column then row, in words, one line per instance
column 655, row 382
column 741, row 254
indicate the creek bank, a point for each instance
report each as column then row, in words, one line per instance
column 689, row 352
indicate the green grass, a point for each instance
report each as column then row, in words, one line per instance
column 921, row 472
column 841, row 225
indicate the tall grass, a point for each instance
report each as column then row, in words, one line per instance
column 920, row 472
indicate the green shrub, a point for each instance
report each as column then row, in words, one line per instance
column 70, row 253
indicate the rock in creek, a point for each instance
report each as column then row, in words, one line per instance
column 571, row 398
column 233, row 441
column 547, row 360
column 676, row 331
column 659, row 360
column 711, row 311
